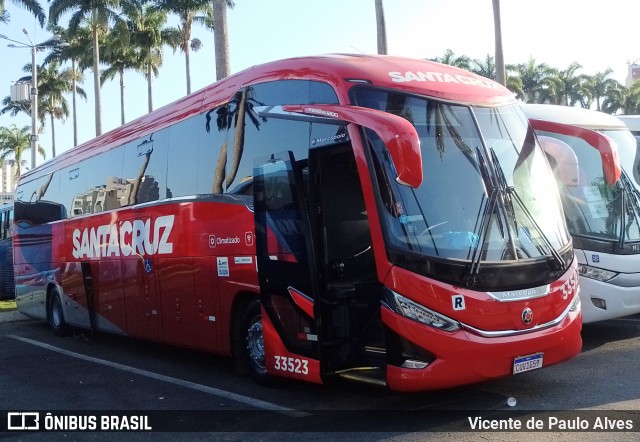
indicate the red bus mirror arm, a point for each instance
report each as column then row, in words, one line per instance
column 606, row 146
column 398, row 135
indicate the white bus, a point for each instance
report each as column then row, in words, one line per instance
column 601, row 203
column 633, row 123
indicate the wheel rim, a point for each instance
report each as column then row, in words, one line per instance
column 255, row 344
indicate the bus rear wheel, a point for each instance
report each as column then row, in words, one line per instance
column 56, row 315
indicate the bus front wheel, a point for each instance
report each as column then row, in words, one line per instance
column 56, row 316
column 251, row 342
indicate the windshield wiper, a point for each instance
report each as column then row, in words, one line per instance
column 628, row 189
column 493, row 190
column 513, row 194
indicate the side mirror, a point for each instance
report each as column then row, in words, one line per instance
column 567, row 170
column 397, row 133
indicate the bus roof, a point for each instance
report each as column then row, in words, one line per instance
column 573, row 116
column 339, row 70
column 632, row 122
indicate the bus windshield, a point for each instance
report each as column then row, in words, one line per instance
column 487, row 195
column 592, row 208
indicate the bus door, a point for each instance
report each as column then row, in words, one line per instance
column 285, row 263
column 319, row 288
column 351, row 333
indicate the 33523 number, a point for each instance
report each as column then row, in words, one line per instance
column 291, row 365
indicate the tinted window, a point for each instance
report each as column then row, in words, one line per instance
column 93, row 185
column 256, row 135
column 42, row 188
column 293, row 92
column 212, row 128
column 145, row 168
column 182, row 166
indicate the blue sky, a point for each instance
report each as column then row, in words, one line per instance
column 556, row 32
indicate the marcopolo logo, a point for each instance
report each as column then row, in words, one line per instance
column 148, row 237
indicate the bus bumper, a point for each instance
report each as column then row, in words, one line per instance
column 603, row 300
column 463, row 358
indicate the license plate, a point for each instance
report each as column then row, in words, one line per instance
column 527, row 363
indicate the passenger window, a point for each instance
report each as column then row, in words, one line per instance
column 145, row 168
column 182, row 174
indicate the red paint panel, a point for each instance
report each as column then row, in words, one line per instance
column 280, row 362
column 464, row 358
column 481, row 310
column 178, row 301
column 210, row 323
column 302, row 301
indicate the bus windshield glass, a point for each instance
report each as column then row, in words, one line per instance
column 488, row 194
column 592, row 208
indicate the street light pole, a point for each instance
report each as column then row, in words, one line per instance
column 34, row 106
column 34, row 84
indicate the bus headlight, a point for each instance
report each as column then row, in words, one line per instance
column 596, row 273
column 419, row 313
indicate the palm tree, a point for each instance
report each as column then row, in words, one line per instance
column 450, row 58
column 52, row 85
column 187, row 11
column 32, row 6
column 119, row 55
column 14, row 142
column 381, row 29
column 570, row 88
column 78, row 51
column 221, row 37
column 486, row 67
column 147, row 35
column 497, row 25
column 99, row 13
column 14, row 108
column 600, row 83
column 621, row 98
column 536, row 80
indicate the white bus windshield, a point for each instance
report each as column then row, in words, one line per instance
column 592, row 208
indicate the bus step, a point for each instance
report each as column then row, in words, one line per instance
column 368, row 375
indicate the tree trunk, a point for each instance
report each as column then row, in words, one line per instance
column 221, row 39
column 121, row 73
column 96, row 78
column 238, row 141
column 149, row 90
column 185, row 48
column 381, row 28
column 500, row 69
column 53, row 136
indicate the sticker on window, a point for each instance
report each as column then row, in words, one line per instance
column 595, row 202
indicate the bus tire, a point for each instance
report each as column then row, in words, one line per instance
column 56, row 315
column 250, row 340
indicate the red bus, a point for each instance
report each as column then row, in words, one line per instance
column 373, row 218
